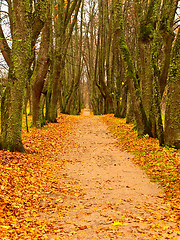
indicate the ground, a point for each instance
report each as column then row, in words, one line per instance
column 77, row 183
column 114, row 198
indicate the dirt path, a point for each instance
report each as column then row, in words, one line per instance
column 112, row 198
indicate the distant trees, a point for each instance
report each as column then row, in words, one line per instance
column 66, row 13
column 133, row 42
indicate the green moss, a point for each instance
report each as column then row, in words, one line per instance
column 146, row 31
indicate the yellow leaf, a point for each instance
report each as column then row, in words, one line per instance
column 6, row 227
column 59, row 200
column 116, row 223
column 28, row 219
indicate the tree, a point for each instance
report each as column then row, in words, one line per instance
column 144, row 76
column 98, row 56
column 172, row 116
column 18, row 59
column 40, row 71
column 12, row 100
column 72, row 95
column 64, row 25
column 133, row 85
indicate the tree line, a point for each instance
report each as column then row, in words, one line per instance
column 126, row 52
column 132, row 59
column 44, row 37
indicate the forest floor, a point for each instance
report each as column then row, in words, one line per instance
column 76, row 182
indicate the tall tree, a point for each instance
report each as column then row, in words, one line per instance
column 73, row 94
column 12, row 101
column 172, row 116
column 167, row 18
column 64, row 25
column 18, row 59
column 41, row 69
column 133, row 84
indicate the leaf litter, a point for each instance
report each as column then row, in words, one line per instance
column 75, row 182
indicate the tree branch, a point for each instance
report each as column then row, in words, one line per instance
column 5, row 49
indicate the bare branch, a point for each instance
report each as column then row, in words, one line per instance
column 5, row 49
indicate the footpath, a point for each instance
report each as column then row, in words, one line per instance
column 112, row 198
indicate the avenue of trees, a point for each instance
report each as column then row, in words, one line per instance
column 126, row 53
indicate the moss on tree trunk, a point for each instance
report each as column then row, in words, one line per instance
column 12, row 101
column 40, row 72
column 133, row 86
column 172, row 115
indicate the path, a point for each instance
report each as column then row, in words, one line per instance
column 113, row 198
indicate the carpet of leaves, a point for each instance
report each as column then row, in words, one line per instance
column 27, row 178
column 161, row 164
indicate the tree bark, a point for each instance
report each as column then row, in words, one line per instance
column 140, row 116
column 130, row 111
column 172, row 115
column 62, row 42
column 12, row 101
column 166, row 30
column 40, row 72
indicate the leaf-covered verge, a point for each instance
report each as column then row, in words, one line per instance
column 28, row 182
column 161, row 164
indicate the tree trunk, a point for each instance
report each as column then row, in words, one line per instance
column 73, row 93
column 39, row 74
column 63, row 32
column 172, row 115
column 146, row 75
column 129, row 112
column 12, row 101
column 140, row 116
column 57, row 77
column 124, row 102
column 168, row 12
column 155, row 115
